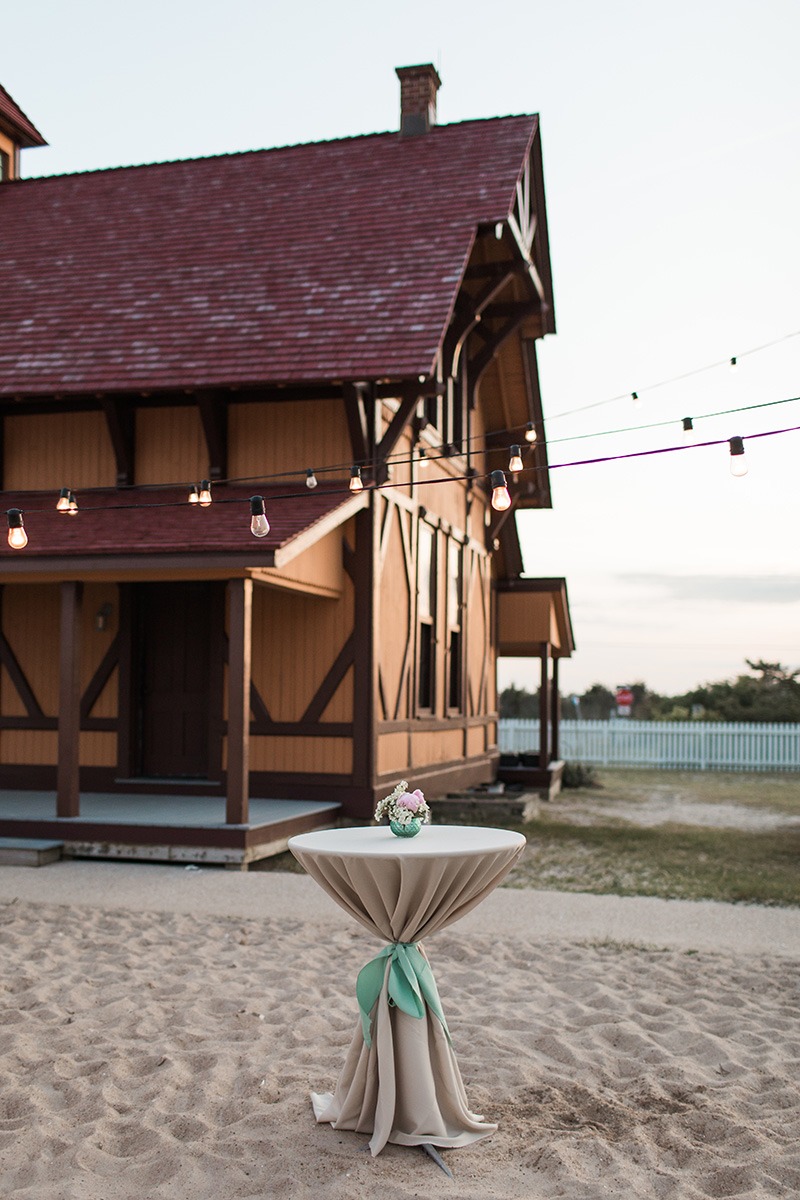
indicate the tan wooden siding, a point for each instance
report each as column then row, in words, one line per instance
column 395, row 599
column 96, row 642
column 98, row 749
column 265, row 439
column 54, row 450
column 170, row 445
column 31, row 623
column 436, row 746
column 392, row 752
column 476, row 740
column 323, row 756
column 477, row 632
column 29, row 747
column 447, row 500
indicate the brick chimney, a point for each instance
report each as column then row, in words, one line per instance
column 418, row 88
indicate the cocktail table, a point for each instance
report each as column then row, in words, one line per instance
column 400, row 1081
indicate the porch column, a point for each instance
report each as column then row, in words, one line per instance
column 544, row 707
column 240, row 621
column 69, row 702
column 555, row 745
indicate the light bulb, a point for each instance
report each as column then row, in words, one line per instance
column 311, row 479
column 422, row 460
column 498, row 230
column 205, row 493
column 734, row 366
column 738, row 460
column 688, row 429
column 17, row 537
column 73, row 505
column 62, row 504
column 501, row 500
column 635, row 398
column 194, row 495
column 530, row 432
column 515, row 461
column 259, row 525
column 355, row 480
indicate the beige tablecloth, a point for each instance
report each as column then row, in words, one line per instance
column 406, row 1087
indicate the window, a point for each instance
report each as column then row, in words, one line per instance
column 426, row 617
column 454, row 640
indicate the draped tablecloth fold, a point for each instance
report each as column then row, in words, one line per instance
column 400, row 1080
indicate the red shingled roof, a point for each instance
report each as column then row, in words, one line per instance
column 12, row 116
column 330, row 261
column 108, row 524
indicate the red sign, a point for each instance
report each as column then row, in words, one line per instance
column 624, row 697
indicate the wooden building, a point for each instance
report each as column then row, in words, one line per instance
column 245, row 319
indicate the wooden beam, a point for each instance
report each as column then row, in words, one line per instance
column 121, row 422
column 555, row 740
column 69, row 702
column 213, row 409
column 326, row 690
column 357, row 423
column 544, row 707
column 407, row 409
column 17, row 676
column 240, row 593
column 100, row 679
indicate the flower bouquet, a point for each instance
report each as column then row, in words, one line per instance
column 407, row 811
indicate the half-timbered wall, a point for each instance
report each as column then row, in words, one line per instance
column 170, row 446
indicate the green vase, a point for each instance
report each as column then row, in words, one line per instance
column 410, row 830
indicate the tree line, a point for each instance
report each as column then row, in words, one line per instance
column 770, row 693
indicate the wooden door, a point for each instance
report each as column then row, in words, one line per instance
column 179, row 678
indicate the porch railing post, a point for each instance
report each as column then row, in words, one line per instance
column 237, row 807
column 69, row 702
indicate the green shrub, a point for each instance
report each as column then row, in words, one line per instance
column 579, row 775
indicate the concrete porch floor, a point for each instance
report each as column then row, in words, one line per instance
column 161, row 827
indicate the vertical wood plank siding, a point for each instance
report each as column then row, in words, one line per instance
column 265, row 439
column 396, row 592
column 694, row 745
column 55, row 450
column 170, row 446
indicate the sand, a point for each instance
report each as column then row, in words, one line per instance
column 161, row 1030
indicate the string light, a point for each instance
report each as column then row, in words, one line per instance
column 734, row 366
column 636, row 401
column 62, row 504
column 515, row 459
column 530, row 432
column 501, row 499
column 73, row 505
column 194, row 495
column 311, row 479
column 259, row 525
column 205, row 493
column 356, row 484
column 688, row 429
column 738, row 460
column 17, row 537
column 422, row 459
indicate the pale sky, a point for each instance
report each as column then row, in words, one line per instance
column 670, row 137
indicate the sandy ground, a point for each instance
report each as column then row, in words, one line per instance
column 161, row 1029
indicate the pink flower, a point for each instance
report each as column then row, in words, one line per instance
column 408, row 802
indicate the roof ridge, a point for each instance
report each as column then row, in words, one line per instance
column 31, row 129
column 230, row 154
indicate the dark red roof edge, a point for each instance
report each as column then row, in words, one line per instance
column 12, row 114
column 357, row 137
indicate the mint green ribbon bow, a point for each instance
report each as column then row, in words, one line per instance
column 411, row 985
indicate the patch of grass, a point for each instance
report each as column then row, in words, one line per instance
column 686, row 862
column 778, row 790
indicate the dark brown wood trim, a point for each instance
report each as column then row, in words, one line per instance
column 17, row 677
column 365, row 667
column 435, row 724
column 302, row 729
column 262, row 722
column 216, row 679
column 29, row 722
column 127, row 716
column 99, row 680
column 240, row 618
column 555, row 715
column 357, row 423
column 348, row 560
column 69, row 701
column 544, row 706
column 121, row 424
column 213, row 410
column 326, row 690
column 407, row 409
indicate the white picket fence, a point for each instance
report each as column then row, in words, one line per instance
column 697, row 745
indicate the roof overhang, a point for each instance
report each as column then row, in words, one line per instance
column 532, row 614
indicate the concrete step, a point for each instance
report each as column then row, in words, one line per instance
column 28, row 852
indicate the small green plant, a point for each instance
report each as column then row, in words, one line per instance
column 579, row 775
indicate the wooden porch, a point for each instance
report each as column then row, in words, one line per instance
column 162, row 828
